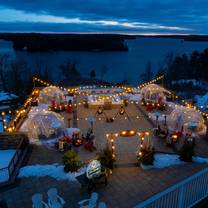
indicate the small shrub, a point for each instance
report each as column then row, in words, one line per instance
column 186, row 152
column 105, row 158
column 71, row 161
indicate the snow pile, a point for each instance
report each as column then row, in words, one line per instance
column 6, row 96
column 5, row 158
column 167, row 160
column 54, row 170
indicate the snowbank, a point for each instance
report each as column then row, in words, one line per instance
column 5, row 158
column 54, row 170
column 167, row 160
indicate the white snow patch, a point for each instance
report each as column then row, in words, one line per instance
column 5, row 158
column 54, row 170
column 167, row 160
column 193, row 81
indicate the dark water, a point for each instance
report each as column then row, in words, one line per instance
column 121, row 65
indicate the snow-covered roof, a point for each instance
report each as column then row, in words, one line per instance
column 7, row 96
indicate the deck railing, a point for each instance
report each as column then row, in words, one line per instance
column 185, row 194
column 8, row 171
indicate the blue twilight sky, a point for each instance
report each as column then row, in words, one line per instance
column 124, row 16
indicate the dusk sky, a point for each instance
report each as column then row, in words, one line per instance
column 124, row 16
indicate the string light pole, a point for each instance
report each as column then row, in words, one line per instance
column 142, row 134
column 3, row 120
column 127, row 133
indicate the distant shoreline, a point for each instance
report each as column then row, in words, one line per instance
column 44, row 42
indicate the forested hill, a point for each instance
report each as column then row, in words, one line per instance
column 33, row 42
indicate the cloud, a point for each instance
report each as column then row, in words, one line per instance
column 133, row 15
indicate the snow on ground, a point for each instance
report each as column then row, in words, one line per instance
column 54, row 170
column 49, row 143
column 5, row 158
column 202, row 101
column 199, row 83
column 6, row 96
column 167, row 160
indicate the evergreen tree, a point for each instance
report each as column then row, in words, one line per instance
column 147, row 74
column 92, row 74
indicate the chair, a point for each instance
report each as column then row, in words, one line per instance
column 37, row 200
column 89, row 203
column 102, row 205
column 54, row 200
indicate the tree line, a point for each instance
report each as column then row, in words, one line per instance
column 180, row 67
column 16, row 75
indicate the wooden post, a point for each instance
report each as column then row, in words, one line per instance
column 2, row 118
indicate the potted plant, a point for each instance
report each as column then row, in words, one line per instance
column 105, row 158
column 147, row 157
column 71, row 161
column 187, row 151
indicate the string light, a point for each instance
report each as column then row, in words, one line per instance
column 112, row 136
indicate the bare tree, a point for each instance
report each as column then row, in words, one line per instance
column 104, row 71
column 169, row 58
column 4, row 65
column 19, row 72
column 147, row 74
column 69, row 69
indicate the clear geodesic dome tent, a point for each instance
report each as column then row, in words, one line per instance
column 154, row 93
column 51, row 93
column 187, row 119
column 44, row 124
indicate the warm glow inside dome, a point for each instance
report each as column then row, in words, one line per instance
column 51, row 93
column 43, row 124
column 154, row 93
column 186, row 118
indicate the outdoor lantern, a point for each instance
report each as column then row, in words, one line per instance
column 93, row 169
column 122, row 111
column 100, row 111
